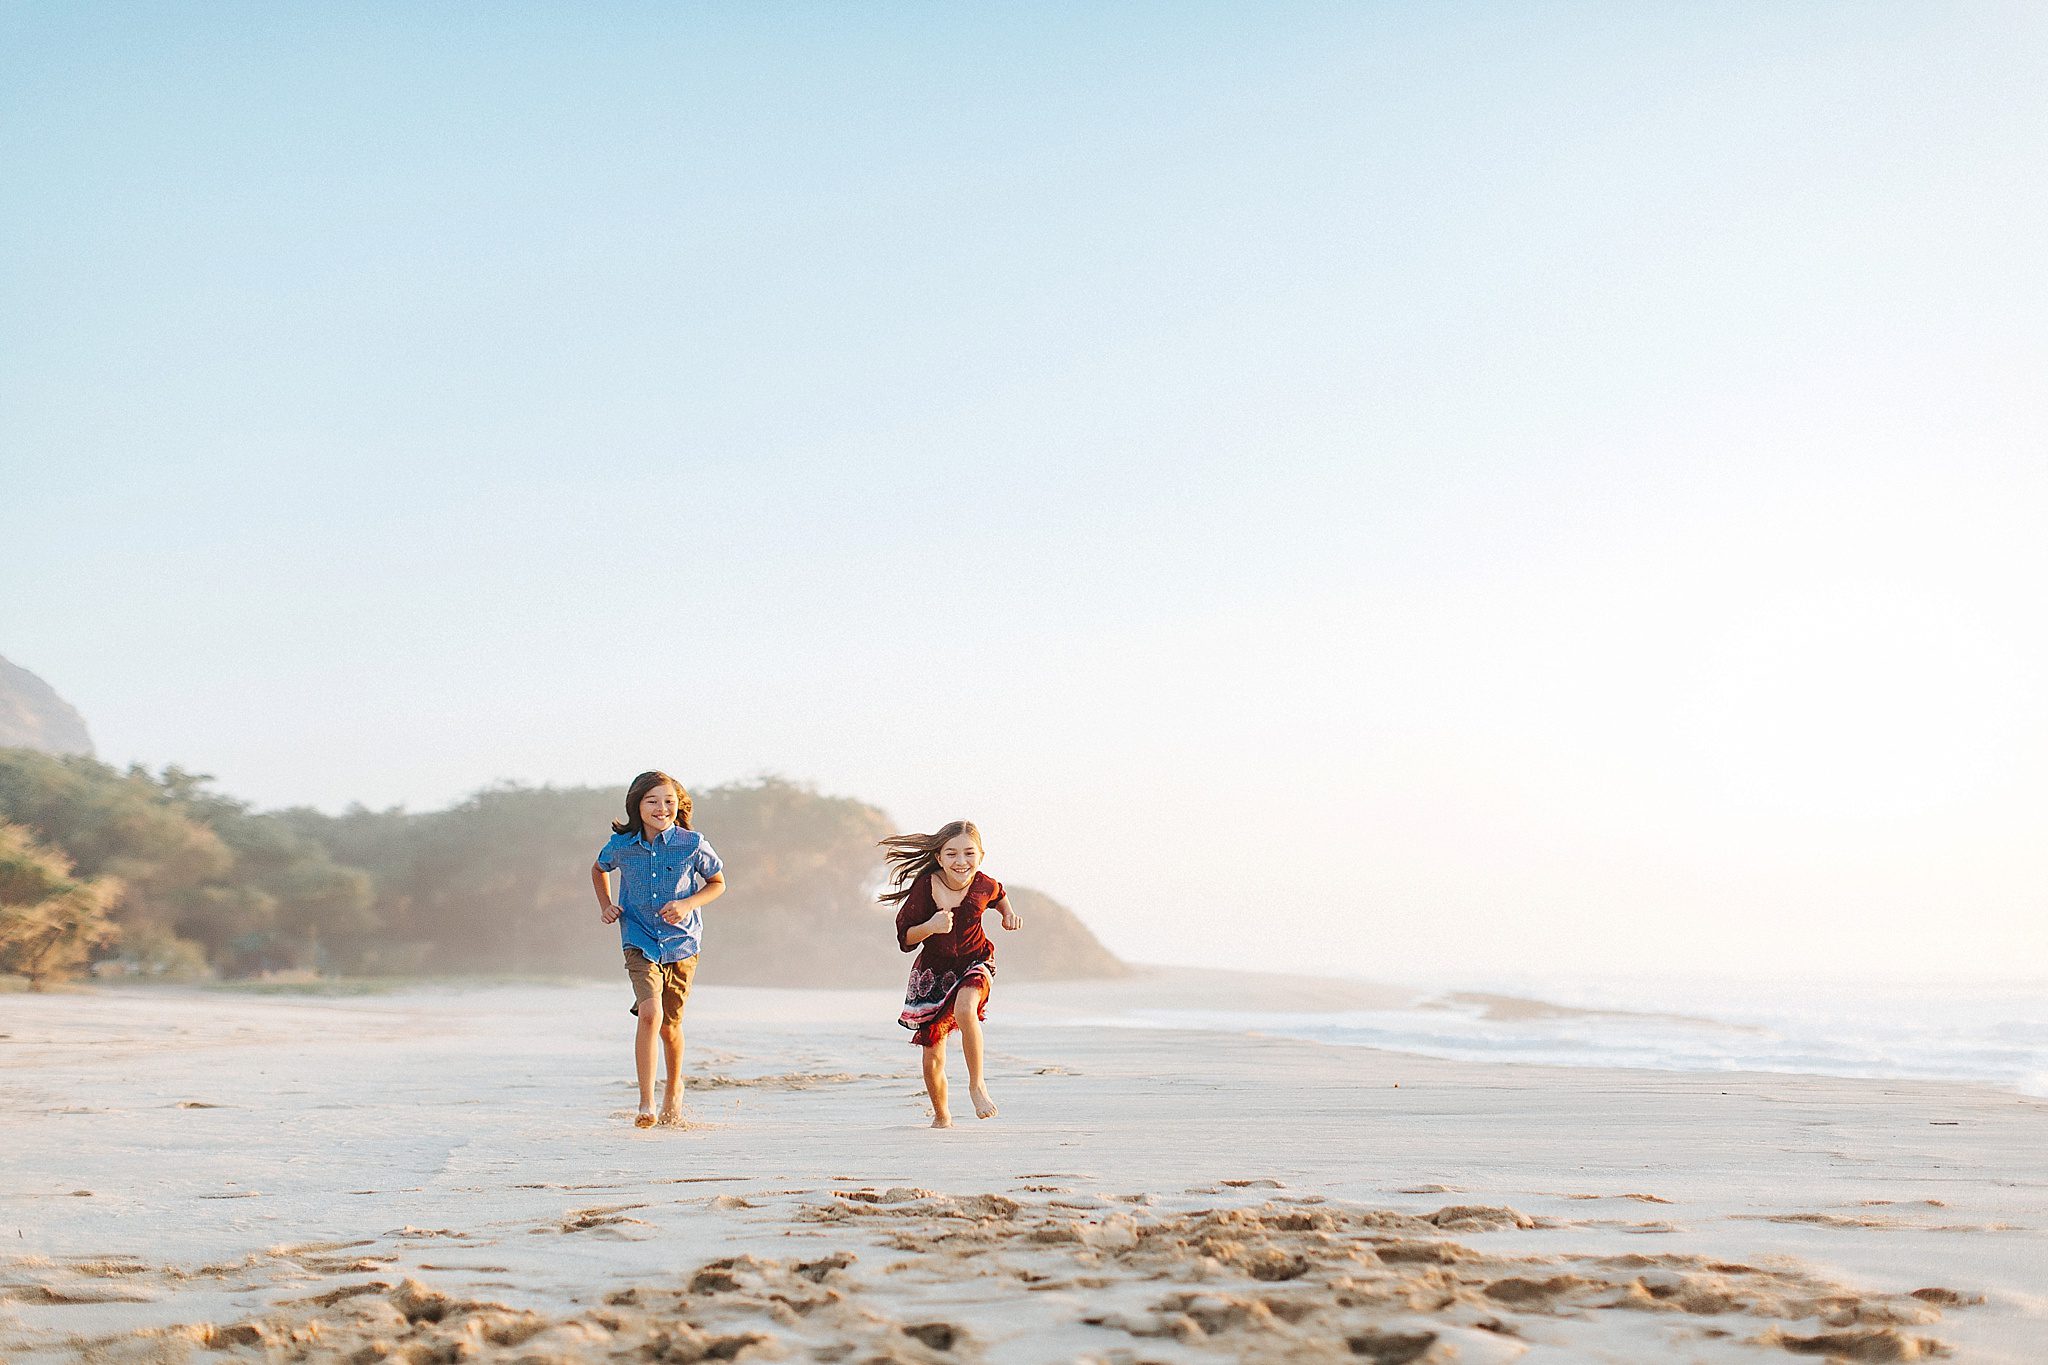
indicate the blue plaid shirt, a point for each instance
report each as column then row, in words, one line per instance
column 675, row 865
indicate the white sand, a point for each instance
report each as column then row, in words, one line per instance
column 220, row 1161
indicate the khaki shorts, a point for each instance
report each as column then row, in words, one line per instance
column 670, row 979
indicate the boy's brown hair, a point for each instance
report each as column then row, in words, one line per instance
column 642, row 785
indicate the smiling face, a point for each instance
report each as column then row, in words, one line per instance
column 658, row 809
column 960, row 858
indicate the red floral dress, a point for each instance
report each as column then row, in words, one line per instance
column 948, row 961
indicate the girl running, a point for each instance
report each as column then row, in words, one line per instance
column 940, row 896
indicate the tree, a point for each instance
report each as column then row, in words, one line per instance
column 118, row 825
column 50, row 923
column 203, row 878
column 286, row 903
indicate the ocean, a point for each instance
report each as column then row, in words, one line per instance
column 1990, row 1032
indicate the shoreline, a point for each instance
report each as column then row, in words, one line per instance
column 474, row 1141
column 1494, row 1027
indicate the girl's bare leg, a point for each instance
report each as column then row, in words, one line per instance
column 672, row 1055
column 967, row 1014
column 935, row 1083
column 643, row 1055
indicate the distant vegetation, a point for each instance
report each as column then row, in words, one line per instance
column 157, row 875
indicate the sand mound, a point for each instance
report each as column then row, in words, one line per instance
column 1270, row 1283
column 793, row 1080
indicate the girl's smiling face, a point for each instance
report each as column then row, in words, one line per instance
column 960, row 857
column 658, row 809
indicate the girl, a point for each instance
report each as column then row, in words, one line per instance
column 940, row 897
column 666, row 873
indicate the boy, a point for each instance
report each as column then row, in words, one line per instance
column 666, row 873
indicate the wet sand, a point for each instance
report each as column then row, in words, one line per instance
column 451, row 1174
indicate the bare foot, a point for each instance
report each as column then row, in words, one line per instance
column 984, row 1107
column 942, row 1121
column 672, row 1106
column 644, row 1119
column 671, row 1117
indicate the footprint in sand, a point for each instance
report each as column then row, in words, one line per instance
column 598, row 1215
column 1479, row 1217
column 1947, row 1298
column 936, row 1336
column 103, row 1266
column 1836, row 1220
column 56, row 1297
column 1879, row 1344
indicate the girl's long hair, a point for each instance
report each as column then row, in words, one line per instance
column 642, row 785
column 911, row 856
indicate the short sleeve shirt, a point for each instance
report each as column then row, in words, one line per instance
column 677, row 863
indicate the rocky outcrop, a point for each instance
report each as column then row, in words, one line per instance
column 33, row 716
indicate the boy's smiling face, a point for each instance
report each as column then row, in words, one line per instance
column 658, row 810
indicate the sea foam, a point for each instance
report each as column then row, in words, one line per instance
column 1993, row 1033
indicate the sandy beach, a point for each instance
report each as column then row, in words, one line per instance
column 450, row 1173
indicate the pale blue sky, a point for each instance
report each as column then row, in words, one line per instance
column 1361, row 486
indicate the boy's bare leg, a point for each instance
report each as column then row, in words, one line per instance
column 643, row 1054
column 935, row 1083
column 672, row 1055
column 967, row 1014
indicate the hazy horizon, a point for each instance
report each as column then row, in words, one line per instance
column 1373, row 490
